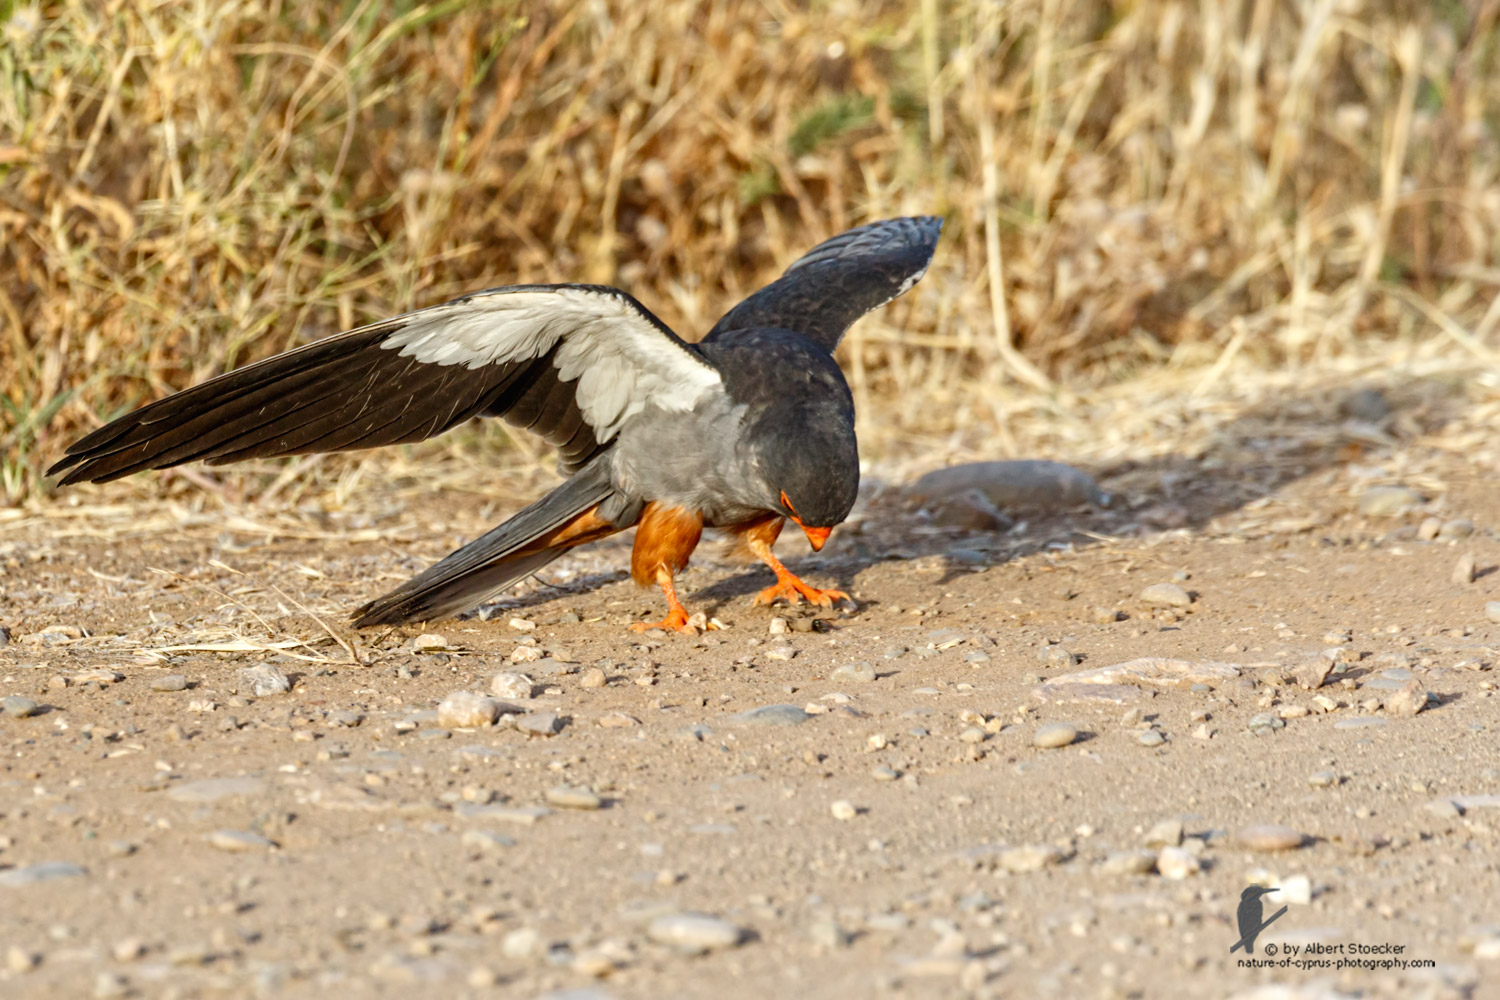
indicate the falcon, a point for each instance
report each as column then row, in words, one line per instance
column 749, row 428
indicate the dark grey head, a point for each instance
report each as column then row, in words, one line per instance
column 809, row 461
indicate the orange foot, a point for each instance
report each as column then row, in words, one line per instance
column 794, row 590
column 676, row 621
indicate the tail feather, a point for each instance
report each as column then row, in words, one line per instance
column 581, row 510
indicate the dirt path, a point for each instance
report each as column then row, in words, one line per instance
column 900, row 835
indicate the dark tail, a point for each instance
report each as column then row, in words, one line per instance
column 583, row 509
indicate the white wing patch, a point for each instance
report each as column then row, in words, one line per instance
column 621, row 361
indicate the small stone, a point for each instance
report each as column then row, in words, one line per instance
column 593, row 677
column 1266, row 722
column 1054, row 735
column 1012, row 485
column 884, row 772
column 617, row 720
column 467, row 710
column 103, row 676
column 18, row 706
column 128, row 949
column 1492, row 612
column 1429, row 528
column 1165, row 833
column 171, row 682
column 525, row 654
column 261, row 681
column 1177, row 863
column 1323, row 779
column 828, row 935
column 511, row 686
column 1106, row 616
column 694, row 933
column 1312, row 672
column 1269, row 837
column 1408, row 700
column 522, row 624
column 1455, row 530
column 1443, row 809
column 486, row 840
column 344, row 718
column 770, row 715
column 108, row 985
column 779, row 626
column 973, row 734
column 568, row 797
column 861, row 672
column 429, row 642
column 1129, row 863
column 1464, row 569
column 239, row 841
column 1030, row 858
column 1166, row 595
column 1296, row 890
column 214, row 789
column 1387, row 501
column 43, row 871
column 540, row 724
column 523, row 942
column 843, row 809
column 1058, row 656
column 1150, row 738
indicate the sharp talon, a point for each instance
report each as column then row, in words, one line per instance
column 676, row 621
column 794, row 590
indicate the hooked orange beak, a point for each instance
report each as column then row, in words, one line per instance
column 818, row 537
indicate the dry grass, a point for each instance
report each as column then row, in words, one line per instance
column 189, row 184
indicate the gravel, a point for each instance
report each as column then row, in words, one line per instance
column 1269, row 837
column 42, row 871
column 1166, row 595
column 1387, row 501
column 511, row 686
column 261, row 681
column 770, row 715
column 861, row 672
column 569, row 797
column 694, row 933
column 239, row 841
column 467, row 710
column 171, row 682
column 1054, row 735
column 19, row 707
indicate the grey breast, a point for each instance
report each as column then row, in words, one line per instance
column 697, row 459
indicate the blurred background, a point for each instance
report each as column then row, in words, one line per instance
column 1143, row 198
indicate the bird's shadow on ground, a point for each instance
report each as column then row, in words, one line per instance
column 1254, row 456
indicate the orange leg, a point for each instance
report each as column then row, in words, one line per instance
column 787, row 585
column 677, row 616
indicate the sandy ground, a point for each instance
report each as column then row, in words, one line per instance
column 901, row 835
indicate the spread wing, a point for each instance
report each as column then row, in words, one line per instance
column 568, row 362
column 839, row 280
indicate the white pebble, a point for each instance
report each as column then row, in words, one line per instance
column 1177, row 864
column 1057, row 734
column 467, row 710
column 843, row 809
column 511, row 686
column 694, row 932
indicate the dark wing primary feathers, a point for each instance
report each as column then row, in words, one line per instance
column 839, row 280
column 568, row 362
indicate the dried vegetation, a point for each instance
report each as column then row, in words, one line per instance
column 1132, row 188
